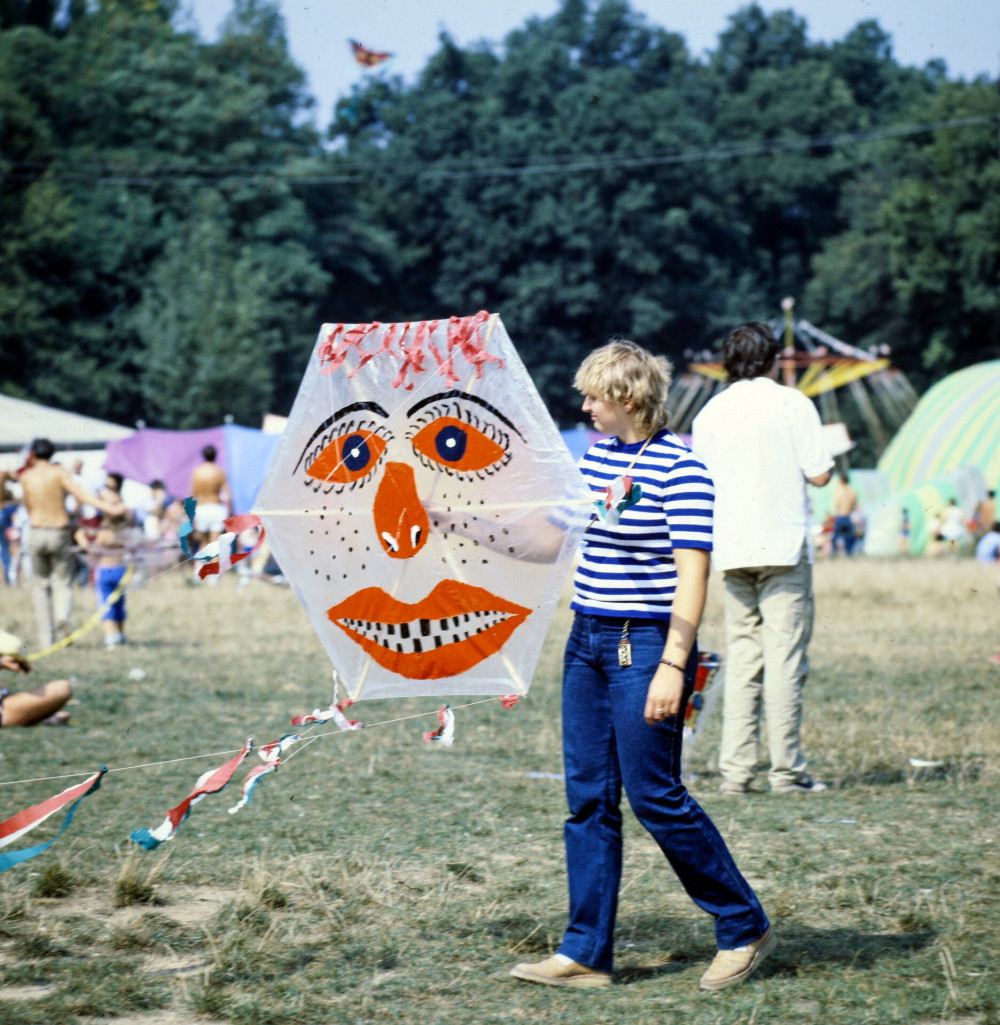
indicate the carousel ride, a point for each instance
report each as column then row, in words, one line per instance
column 851, row 386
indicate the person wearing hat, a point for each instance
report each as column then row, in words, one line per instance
column 28, row 707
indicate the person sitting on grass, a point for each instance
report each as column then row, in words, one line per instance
column 26, row 708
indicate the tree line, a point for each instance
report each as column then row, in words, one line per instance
column 175, row 229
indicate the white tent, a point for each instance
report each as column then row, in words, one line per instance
column 21, row 422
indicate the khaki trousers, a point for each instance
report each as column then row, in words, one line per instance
column 769, row 620
column 53, row 566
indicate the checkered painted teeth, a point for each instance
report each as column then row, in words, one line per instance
column 421, row 635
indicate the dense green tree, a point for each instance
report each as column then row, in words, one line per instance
column 595, row 179
column 174, row 233
column 918, row 268
column 109, row 132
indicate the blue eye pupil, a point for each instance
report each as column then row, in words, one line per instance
column 450, row 443
column 356, row 452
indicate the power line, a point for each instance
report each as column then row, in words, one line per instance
column 576, row 163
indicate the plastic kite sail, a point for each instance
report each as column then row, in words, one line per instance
column 424, row 507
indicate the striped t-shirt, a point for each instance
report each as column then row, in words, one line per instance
column 627, row 569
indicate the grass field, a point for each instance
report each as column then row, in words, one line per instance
column 378, row 878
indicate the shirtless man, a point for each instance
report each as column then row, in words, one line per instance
column 210, row 489
column 845, row 502
column 44, row 486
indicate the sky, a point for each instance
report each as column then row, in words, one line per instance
column 965, row 33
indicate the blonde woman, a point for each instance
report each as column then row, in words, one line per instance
column 628, row 672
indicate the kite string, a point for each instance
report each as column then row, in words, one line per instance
column 222, row 754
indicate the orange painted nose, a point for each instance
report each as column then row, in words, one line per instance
column 400, row 520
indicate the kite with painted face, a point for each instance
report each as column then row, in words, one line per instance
column 424, row 507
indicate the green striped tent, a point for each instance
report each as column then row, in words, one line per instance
column 957, row 423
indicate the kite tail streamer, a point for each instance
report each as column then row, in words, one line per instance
column 272, row 752
column 708, row 664
column 223, row 548
column 338, row 708
column 185, row 529
column 24, row 821
column 445, row 733
column 509, row 700
column 335, row 712
column 210, row 782
column 253, row 778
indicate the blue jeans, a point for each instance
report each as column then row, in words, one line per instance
column 108, row 578
column 843, row 534
column 606, row 743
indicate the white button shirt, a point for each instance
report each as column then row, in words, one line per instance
column 760, row 441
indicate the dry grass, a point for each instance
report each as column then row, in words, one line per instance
column 376, row 878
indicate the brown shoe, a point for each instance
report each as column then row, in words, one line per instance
column 732, row 966
column 560, row 971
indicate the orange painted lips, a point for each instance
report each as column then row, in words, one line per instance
column 454, row 628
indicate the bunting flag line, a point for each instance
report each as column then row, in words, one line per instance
column 24, row 821
column 253, row 777
column 210, row 782
column 445, row 733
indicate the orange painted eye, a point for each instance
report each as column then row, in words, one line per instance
column 456, row 444
column 347, row 458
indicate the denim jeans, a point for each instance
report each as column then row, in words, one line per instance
column 607, row 743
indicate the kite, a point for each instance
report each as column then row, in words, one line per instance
column 424, row 508
column 368, row 58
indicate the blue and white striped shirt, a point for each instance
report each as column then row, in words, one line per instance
column 627, row 570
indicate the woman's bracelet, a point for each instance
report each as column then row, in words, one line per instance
column 673, row 665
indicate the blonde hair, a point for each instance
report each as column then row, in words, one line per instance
column 622, row 372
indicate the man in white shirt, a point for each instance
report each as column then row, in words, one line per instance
column 762, row 442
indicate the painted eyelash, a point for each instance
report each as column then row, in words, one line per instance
column 487, row 427
column 341, row 430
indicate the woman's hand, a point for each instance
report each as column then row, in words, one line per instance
column 663, row 699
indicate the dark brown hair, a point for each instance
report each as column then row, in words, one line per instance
column 750, row 351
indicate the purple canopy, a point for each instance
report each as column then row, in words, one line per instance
column 242, row 452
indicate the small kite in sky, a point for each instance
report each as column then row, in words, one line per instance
column 368, row 58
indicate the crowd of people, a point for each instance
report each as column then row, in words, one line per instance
column 59, row 531
column 735, row 499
